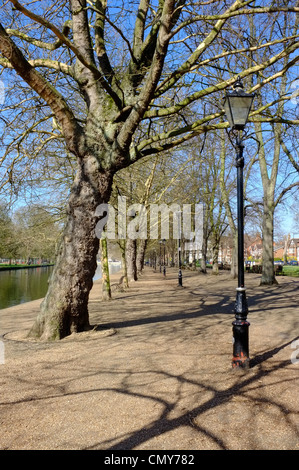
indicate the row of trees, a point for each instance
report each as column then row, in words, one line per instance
column 31, row 232
column 106, row 84
column 207, row 175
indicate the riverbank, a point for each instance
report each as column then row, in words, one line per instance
column 24, row 285
column 12, row 267
column 155, row 371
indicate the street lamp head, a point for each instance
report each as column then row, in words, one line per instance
column 237, row 106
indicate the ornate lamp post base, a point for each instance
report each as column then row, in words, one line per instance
column 241, row 331
column 240, row 349
column 180, row 278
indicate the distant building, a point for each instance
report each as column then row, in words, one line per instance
column 291, row 248
column 278, row 251
column 255, row 249
column 225, row 250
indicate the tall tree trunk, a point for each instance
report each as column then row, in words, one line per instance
column 131, row 248
column 106, row 287
column 215, row 268
column 141, row 255
column 285, row 250
column 268, row 275
column 65, row 308
column 122, row 245
column 226, row 195
column 269, row 174
column 203, row 261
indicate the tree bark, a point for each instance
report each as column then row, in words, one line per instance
column 141, row 255
column 204, row 247
column 215, row 268
column 131, row 247
column 122, row 245
column 226, row 194
column 64, row 310
column 203, row 261
column 285, row 250
column 268, row 275
column 106, row 287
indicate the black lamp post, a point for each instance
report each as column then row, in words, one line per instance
column 237, row 106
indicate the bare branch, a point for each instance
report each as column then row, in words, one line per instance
column 285, row 190
column 289, row 154
column 36, row 42
column 225, row 84
column 153, row 76
column 88, row 64
column 40, row 85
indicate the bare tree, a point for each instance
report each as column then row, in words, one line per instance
column 271, row 146
column 161, row 64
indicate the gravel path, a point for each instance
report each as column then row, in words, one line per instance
column 155, row 372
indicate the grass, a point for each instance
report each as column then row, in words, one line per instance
column 286, row 270
column 291, row 271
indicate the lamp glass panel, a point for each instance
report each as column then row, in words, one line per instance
column 227, row 111
column 239, row 108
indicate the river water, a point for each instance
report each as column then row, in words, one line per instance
column 23, row 285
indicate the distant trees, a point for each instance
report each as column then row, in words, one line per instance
column 31, row 232
column 9, row 248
